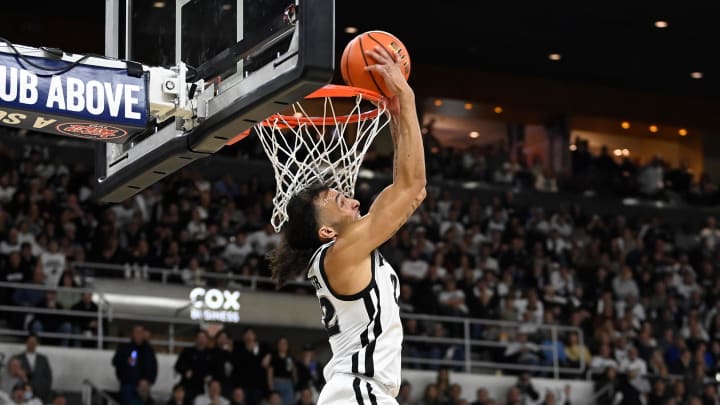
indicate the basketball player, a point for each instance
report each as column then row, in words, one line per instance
column 357, row 288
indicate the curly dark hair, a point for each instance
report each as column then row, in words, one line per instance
column 300, row 236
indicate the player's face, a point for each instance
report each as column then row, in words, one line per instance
column 337, row 208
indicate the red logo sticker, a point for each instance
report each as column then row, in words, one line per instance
column 91, row 131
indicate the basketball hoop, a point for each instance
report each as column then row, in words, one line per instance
column 323, row 137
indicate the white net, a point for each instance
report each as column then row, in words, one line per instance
column 323, row 145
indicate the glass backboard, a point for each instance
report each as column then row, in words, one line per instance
column 257, row 56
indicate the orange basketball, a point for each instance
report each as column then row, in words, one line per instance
column 354, row 60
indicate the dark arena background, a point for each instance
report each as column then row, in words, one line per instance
column 568, row 251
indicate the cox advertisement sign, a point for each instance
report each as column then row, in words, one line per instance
column 92, row 102
column 215, row 305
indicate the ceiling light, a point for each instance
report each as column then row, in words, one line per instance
column 626, row 152
column 696, row 75
column 625, row 125
column 661, row 24
column 351, row 30
column 438, row 102
column 468, row 106
column 555, row 56
column 159, row 4
column 474, row 134
column 617, row 152
column 653, row 128
column 573, row 147
column 682, row 132
column 498, row 110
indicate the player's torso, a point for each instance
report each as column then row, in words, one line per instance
column 364, row 329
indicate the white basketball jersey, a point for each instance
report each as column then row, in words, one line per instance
column 364, row 329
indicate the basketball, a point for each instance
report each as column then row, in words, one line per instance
column 354, row 60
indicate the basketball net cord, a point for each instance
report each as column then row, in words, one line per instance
column 306, row 150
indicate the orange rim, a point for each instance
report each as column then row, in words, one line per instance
column 329, row 90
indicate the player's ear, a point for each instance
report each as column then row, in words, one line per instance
column 326, row 233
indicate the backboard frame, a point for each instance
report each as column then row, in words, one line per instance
column 233, row 107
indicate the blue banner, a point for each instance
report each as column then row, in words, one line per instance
column 85, row 101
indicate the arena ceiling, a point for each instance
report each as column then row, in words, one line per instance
column 609, row 43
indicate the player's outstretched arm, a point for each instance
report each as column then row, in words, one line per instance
column 394, row 205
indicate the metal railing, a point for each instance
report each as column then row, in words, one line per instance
column 472, row 342
column 143, row 272
column 88, row 394
column 468, row 342
column 104, row 313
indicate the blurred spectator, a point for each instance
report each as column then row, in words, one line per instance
column 522, row 351
column 309, row 370
column 12, row 374
column 53, row 263
column 658, row 393
column 134, row 361
column 36, row 367
column 11, row 244
column 624, row 284
column 11, row 271
column 452, row 299
column 557, row 397
column 603, row 360
column 404, row 396
column 144, row 396
column 636, row 370
column 58, row 398
column 482, row 397
column 546, row 181
column 65, row 295
column 194, row 365
column 197, row 226
column 273, row 398
column 526, row 388
column 514, row 397
column 177, row 396
column 222, row 357
column 87, row 326
column 581, row 158
column 31, row 297
column 455, row 395
column 281, row 372
column 678, row 392
column 7, row 190
column 505, row 174
column 47, row 321
column 251, row 362
column 305, row 397
column 263, row 240
column 442, row 381
column 20, row 394
column 679, row 178
column 238, row 250
column 237, row 396
column 212, row 396
column 710, row 395
column 651, row 178
column 431, row 395
column 710, row 234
